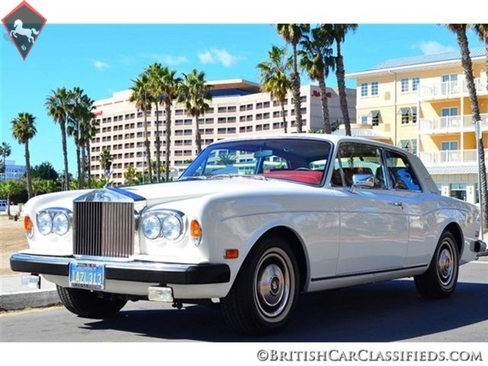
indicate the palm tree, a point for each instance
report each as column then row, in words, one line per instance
column 316, row 59
column 167, row 86
column 130, row 176
column 5, row 151
column 23, row 129
column 274, row 77
column 141, row 96
column 88, row 132
column 460, row 31
column 8, row 188
column 292, row 34
column 481, row 31
column 154, row 72
column 73, row 127
column 105, row 159
column 194, row 92
column 58, row 107
column 79, row 127
column 339, row 32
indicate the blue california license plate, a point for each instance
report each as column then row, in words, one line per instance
column 87, row 275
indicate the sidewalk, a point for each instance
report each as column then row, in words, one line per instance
column 14, row 296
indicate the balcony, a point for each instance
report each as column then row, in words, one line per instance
column 450, row 89
column 449, row 156
column 451, row 124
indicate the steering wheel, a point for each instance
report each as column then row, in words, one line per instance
column 302, row 168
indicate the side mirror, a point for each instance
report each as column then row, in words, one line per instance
column 362, row 181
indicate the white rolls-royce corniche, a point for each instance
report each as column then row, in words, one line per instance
column 250, row 225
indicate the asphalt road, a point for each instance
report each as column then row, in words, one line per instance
column 384, row 312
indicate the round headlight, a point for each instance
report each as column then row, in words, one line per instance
column 60, row 223
column 172, row 227
column 151, row 226
column 44, row 223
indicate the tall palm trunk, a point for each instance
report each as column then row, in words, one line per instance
column 198, row 136
column 158, row 147
column 285, row 124
column 83, row 165
column 88, row 154
column 295, row 82
column 28, row 170
column 148, row 150
column 168, row 137
column 325, row 105
column 79, row 163
column 341, row 84
column 462, row 39
column 65, row 155
column 486, row 60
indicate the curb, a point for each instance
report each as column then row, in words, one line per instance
column 29, row 299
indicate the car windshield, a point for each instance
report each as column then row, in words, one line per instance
column 300, row 160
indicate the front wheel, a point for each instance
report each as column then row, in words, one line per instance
column 440, row 279
column 88, row 304
column 265, row 291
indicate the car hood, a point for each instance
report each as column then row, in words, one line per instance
column 172, row 191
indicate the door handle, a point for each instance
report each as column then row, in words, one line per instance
column 397, row 204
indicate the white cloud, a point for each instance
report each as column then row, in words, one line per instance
column 218, row 56
column 100, row 65
column 432, row 47
column 166, row 59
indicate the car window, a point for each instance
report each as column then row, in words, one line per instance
column 400, row 172
column 298, row 160
column 357, row 159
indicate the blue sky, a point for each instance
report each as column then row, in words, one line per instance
column 104, row 58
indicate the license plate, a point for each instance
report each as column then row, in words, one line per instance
column 87, row 275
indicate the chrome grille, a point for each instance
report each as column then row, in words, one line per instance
column 103, row 229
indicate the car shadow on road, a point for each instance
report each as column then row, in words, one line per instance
column 382, row 312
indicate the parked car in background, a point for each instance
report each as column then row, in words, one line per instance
column 3, row 205
column 251, row 224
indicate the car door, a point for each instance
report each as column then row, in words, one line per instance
column 374, row 222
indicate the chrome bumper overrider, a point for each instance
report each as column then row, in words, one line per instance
column 135, row 271
column 480, row 248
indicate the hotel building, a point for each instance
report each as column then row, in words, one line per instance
column 423, row 103
column 238, row 107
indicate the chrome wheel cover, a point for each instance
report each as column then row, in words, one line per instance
column 446, row 266
column 273, row 284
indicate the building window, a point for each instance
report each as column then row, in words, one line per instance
column 449, row 84
column 404, row 85
column 364, row 120
column 375, row 117
column 374, row 88
column 458, row 190
column 414, row 114
column 415, row 83
column 364, row 89
column 405, row 112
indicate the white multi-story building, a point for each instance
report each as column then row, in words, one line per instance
column 12, row 171
column 237, row 107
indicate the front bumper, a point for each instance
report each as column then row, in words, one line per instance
column 133, row 271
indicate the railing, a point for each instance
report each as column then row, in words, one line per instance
column 450, row 89
column 449, row 124
column 450, row 156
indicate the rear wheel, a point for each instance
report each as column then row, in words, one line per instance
column 265, row 291
column 88, row 304
column 440, row 279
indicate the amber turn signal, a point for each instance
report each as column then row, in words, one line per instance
column 231, row 254
column 28, row 226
